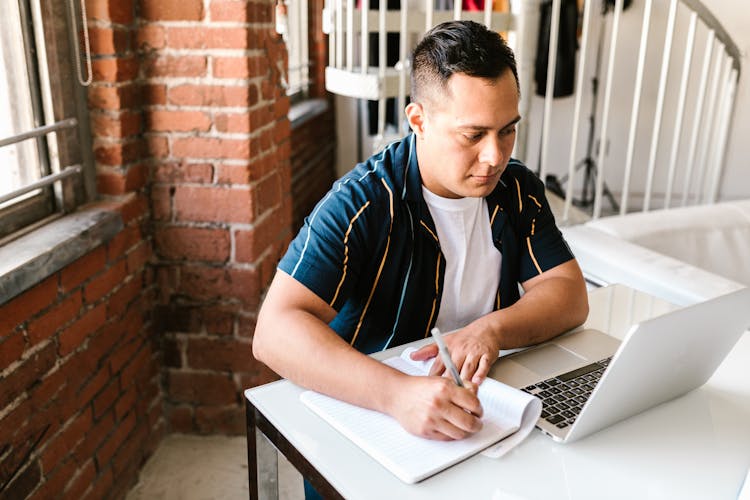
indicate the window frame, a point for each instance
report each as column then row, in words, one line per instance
column 61, row 123
column 296, row 35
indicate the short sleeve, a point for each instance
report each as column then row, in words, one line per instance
column 328, row 253
column 543, row 245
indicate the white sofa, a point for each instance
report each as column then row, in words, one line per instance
column 684, row 255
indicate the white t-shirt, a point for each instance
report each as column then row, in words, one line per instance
column 472, row 263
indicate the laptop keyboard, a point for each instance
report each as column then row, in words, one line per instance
column 564, row 396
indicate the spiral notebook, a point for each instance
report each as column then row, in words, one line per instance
column 509, row 416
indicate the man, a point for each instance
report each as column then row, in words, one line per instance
column 438, row 229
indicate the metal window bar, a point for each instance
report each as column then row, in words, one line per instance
column 43, row 182
column 39, row 131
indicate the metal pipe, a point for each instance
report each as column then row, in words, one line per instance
column 637, row 92
column 382, row 56
column 708, row 124
column 43, row 182
column 365, row 36
column 339, row 33
column 404, row 67
column 350, row 35
column 658, row 115
column 700, row 99
column 587, row 9
column 550, row 89
column 722, row 145
column 39, row 131
column 717, row 126
column 605, row 114
column 687, row 62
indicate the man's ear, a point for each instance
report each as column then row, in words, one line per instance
column 416, row 118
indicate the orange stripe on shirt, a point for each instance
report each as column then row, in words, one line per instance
column 520, row 201
column 380, row 269
column 536, row 201
column 434, row 301
column 531, row 253
column 494, row 213
column 346, row 252
column 429, row 230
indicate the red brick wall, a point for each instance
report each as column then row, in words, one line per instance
column 79, row 391
column 220, row 196
column 151, row 332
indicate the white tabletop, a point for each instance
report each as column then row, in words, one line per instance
column 697, row 446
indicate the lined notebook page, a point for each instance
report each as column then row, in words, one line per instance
column 410, row 457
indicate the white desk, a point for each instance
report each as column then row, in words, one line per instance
column 697, row 446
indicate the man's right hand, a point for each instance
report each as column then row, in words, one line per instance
column 436, row 408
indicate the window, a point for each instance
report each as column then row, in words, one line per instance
column 295, row 33
column 45, row 152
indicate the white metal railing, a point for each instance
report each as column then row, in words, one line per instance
column 350, row 71
column 667, row 121
column 702, row 91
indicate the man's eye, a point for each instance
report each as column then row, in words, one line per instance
column 508, row 131
column 474, row 137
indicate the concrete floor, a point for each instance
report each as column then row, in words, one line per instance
column 205, row 467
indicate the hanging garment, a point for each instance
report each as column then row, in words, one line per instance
column 567, row 45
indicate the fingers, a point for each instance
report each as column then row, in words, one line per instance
column 468, row 368
column 438, row 368
column 461, row 420
column 482, row 370
column 426, row 352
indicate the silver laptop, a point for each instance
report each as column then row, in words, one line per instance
column 588, row 380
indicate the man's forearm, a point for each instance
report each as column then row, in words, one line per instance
column 551, row 307
column 310, row 354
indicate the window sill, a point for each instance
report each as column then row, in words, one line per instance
column 30, row 259
column 306, row 110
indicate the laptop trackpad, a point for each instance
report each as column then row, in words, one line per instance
column 549, row 359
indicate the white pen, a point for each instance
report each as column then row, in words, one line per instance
column 446, row 356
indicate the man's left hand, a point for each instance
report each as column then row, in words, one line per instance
column 473, row 349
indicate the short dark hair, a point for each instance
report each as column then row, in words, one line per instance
column 458, row 47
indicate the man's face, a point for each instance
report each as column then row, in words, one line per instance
column 465, row 136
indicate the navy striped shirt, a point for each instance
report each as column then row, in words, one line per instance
column 370, row 248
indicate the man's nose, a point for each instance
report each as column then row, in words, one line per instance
column 491, row 152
